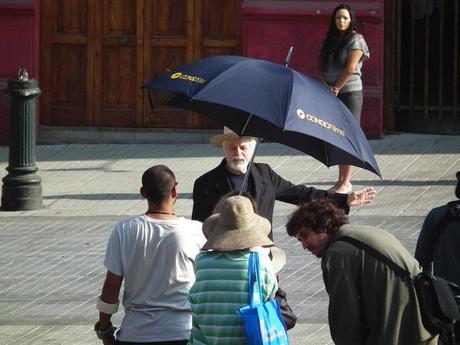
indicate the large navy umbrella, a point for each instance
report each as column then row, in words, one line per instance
column 262, row 99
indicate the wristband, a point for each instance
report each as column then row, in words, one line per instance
column 106, row 308
column 106, row 334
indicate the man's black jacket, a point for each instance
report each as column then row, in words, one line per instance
column 264, row 185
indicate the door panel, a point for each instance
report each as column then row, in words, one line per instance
column 119, row 17
column 221, row 19
column 66, row 62
column 68, row 85
column 170, row 17
column 218, row 33
column 69, row 16
column 208, row 28
column 117, row 94
column 164, row 116
column 118, row 63
column 94, row 65
column 169, row 29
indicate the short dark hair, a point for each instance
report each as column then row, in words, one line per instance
column 319, row 215
column 157, row 182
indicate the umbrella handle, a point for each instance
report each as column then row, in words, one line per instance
column 246, row 176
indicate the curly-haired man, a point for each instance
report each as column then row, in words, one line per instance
column 368, row 302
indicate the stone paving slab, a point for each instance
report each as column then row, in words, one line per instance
column 51, row 271
column 99, row 180
column 51, row 259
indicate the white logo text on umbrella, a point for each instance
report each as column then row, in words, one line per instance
column 301, row 114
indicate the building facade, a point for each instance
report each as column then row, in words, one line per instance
column 91, row 56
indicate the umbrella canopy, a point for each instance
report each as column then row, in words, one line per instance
column 259, row 98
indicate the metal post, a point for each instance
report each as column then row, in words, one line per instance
column 22, row 188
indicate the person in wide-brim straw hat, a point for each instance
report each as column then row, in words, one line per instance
column 250, row 235
column 236, row 227
column 221, row 270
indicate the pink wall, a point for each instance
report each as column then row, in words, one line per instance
column 271, row 27
column 19, row 47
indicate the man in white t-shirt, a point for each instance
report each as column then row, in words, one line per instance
column 153, row 254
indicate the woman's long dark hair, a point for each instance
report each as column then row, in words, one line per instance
column 334, row 42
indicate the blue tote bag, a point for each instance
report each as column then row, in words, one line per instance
column 263, row 323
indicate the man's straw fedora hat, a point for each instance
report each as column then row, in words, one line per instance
column 228, row 134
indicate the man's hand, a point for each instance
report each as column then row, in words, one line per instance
column 361, row 197
column 109, row 341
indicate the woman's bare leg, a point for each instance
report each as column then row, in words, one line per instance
column 343, row 185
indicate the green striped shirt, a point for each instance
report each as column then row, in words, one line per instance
column 220, row 289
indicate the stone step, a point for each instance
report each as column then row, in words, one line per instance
column 109, row 135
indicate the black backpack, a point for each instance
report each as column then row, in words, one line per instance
column 439, row 302
column 439, row 299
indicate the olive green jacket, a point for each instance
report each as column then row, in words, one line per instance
column 369, row 304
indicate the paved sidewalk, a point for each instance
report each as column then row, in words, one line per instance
column 51, row 259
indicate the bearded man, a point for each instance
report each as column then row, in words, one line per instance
column 264, row 185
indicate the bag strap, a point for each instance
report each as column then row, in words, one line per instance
column 255, row 291
column 402, row 273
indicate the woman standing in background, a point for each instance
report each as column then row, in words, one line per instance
column 341, row 59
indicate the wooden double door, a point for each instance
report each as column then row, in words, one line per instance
column 96, row 55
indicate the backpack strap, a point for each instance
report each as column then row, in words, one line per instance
column 402, row 273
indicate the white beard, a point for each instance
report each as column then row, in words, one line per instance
column 240, row 167
column 237, row 162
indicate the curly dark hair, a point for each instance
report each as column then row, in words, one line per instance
column 334, row 42
column 319, row 215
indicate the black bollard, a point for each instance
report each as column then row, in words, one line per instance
column 22, row 188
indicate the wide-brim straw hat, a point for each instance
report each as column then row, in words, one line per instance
column 228, row 134
column 278, row 257
column 236, row 227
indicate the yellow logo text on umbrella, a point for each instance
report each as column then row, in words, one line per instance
column 180, row 75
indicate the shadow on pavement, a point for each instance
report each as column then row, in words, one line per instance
column 106, row 196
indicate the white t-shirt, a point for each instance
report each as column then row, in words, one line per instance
column 155, row 258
